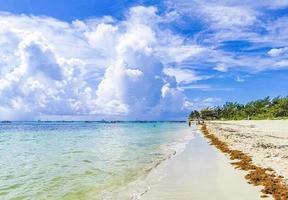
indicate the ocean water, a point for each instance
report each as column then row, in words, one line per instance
column 80, row 160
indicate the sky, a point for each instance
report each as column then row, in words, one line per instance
column 138, row 59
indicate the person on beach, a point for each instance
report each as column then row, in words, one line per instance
column 200, row 121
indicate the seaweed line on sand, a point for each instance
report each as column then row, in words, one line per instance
column 258, row 176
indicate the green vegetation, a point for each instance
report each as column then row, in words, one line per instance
column 276, row 108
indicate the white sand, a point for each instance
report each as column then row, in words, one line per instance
column 265, row 140
column 199, row 172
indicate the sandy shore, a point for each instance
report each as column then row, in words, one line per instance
column 202, row 171
column 199, row 172
column 266, row 141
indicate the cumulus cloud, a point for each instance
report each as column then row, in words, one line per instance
column 37, row 58
column 141, row 87
column 42, row 83
column 99, row 67
column 139, row 67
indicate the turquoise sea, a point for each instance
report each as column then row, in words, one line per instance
column 81, row 160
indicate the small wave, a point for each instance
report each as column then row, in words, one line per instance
column 177, row 147
column 11, row 187
column 73, row 152
column 156, row 172
column 87, row 161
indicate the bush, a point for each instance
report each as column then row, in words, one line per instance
column 266, row 108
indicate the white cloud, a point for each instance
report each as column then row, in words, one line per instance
column 99, row 67
column 221, row 68
column 178, row 53
column 204, row 87
column 228, row 17
column 218, row 14
column 201, row 103
column 184, row 75
column 137, row 67
column 211, row 100
column 135, row 74
column 240, row 79
column 135, row 78
column 278, row 51
column 234, row 21
column 282, row 64
column 103, row 37
column 37, row 58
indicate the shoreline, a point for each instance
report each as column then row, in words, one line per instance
column 229, row 140
column 139, row 187
column 197, row 172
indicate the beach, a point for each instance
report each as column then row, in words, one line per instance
column 200, row 171
column 130, row 160
column 265, row 140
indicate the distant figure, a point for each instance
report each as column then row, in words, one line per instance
column 200, row 121
column 189, row 123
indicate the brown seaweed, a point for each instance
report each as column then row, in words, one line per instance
column 258, row 176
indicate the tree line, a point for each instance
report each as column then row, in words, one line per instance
column 266, row 108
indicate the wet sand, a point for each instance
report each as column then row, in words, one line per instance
column 199, row 172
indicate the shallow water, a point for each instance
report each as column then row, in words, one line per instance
column 78, row 160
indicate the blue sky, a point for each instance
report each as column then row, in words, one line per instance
column 69, row 10
column 137, row 59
